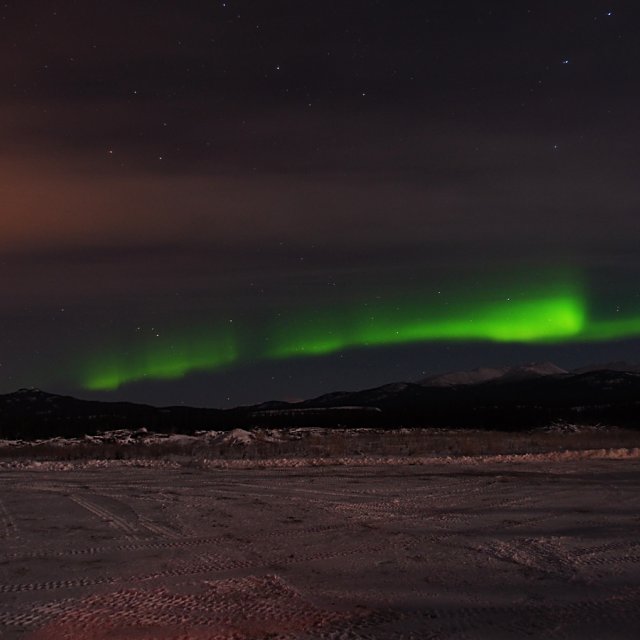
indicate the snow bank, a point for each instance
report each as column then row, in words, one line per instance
column 35, row 465
column 365, row 461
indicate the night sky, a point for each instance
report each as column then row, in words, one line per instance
column 220, row 203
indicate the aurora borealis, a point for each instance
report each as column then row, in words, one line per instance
column 561, row 315
column 223, row 203
column 161, row 362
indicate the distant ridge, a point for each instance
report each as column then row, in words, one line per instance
column 509, row 398
column 609, row 366
column 31, row 413
column 487, row 374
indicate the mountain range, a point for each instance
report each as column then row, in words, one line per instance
column 506, row 398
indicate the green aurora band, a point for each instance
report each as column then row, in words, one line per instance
column 546, row 320
column 160, row 362
column 561, row 315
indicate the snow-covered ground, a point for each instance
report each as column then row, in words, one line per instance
column 542, row 547
column 626, row 453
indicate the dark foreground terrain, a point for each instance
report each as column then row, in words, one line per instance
column 544, row 549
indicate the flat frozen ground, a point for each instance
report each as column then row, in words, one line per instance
column 510, row 550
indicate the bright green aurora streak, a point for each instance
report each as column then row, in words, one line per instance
column 560, row 315
column 545, row 320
